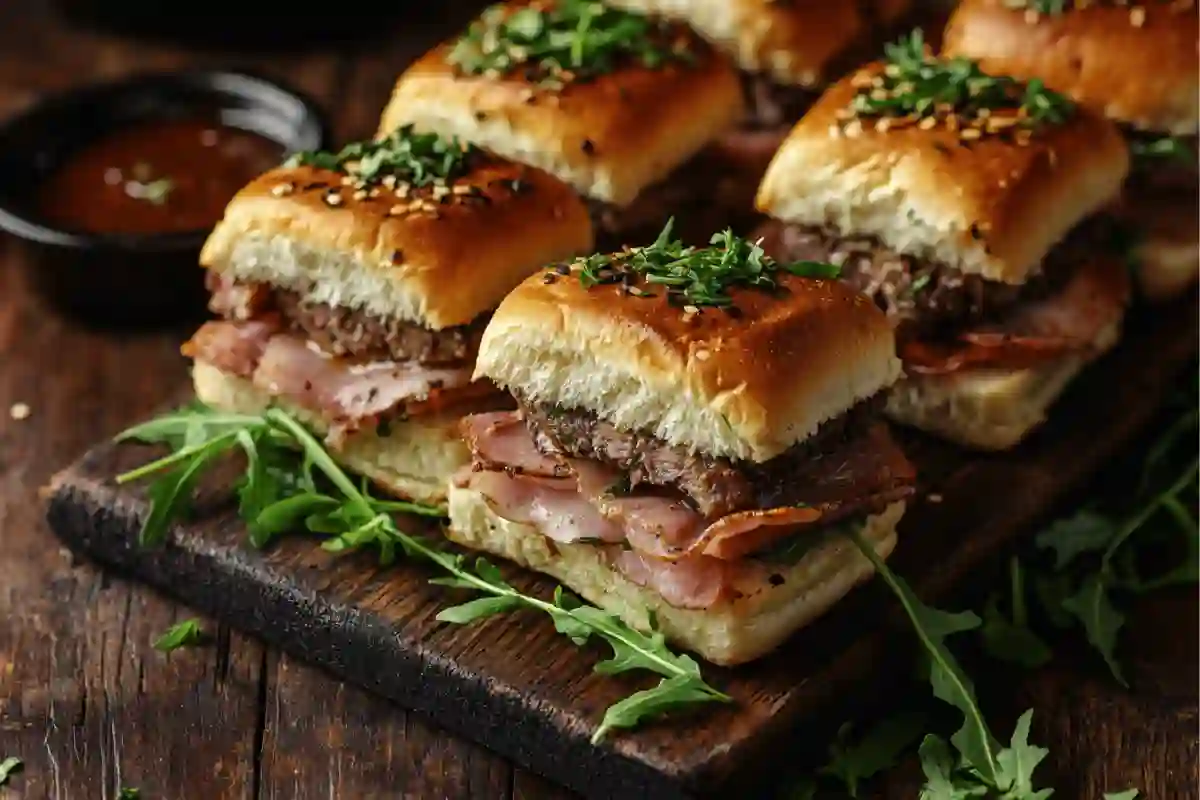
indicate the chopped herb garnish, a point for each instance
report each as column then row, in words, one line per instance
column 917, row 88
column 129, row 793
column 418, row 159
column 696, row 276
column 293, row 484
column 181, row 634
column 1040, row 6
column 1168, row 147
column 556, row 43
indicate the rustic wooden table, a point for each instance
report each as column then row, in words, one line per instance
column 89, row 705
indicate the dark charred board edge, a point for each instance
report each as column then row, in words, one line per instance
column 1106, row 408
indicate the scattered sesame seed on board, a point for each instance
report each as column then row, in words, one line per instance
column 20, row 411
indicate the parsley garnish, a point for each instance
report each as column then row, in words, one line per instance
column 8, row 767
column 291, row 483
column 419, row 159
column 1040, row 6
column 181, row 634
column 917, row 85
column 696, row 276
column 568, row 40
column 129, row 793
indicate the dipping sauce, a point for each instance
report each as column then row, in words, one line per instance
column 165, row 176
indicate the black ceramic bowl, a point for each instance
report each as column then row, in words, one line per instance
column 130, row 279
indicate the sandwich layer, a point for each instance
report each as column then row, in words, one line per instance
column 745, row 384
column 1153, row 85
column 392, row 250
column 412, row 458
column 775, row 599
column 610, row 137
column 980, row 203
column 989, row 409
column 348, row 394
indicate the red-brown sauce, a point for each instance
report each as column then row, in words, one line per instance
column 157, row 177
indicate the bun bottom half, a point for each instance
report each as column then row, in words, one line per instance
column 989, row 409
column 415, row 460
column 732, row 632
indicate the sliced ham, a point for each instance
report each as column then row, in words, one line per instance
column 234, row 348
column 863, row 474
column 698, row 582
column 501, row 441
column 347, row 394
column 554, row 506
column 1070, row 320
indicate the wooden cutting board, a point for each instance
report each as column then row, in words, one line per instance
column 515, row 686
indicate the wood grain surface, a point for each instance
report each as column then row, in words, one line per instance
column 90, row 706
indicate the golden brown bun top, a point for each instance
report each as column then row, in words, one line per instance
column 438, row 260
column 988, row 205
column 609, row 137
column 747, row 384
column 792, row 42
column 1137, row 63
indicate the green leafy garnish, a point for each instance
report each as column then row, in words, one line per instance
column 1088, row 532
column 877, row 750
column 417, row 159
column 695, row 276
column 556, row 43
column 292, row 483
column 181, row 634
column 128, row 793
column 1011, row 639
column 1040, row 6
column 1167, row 147
column 946, row 779
column 1128, row 794
column 954, row 91
column 8, row 767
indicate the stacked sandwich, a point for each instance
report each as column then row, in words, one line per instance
column 615, row 104
column 1135, row 63
column 967, row 206
column 697, row 430
column 354, row 288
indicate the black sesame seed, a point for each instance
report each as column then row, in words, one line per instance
column 775, row 579
column 588, row 147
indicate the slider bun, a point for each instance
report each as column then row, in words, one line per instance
column 1167, row 253
column 435, row 271
column 989, row 206
column 733, row 632
column 793, row 43
column 1145, row 76
column 744, row 387
column 610, row 138
column 415, row 460
column 989, row 409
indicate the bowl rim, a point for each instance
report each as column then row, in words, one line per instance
column 311, row 127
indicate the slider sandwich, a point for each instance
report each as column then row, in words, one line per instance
column 966, row 206
column 696, row 431
column 354, row 288
column 786, row 52
column 1136, row 63
column 615, row 104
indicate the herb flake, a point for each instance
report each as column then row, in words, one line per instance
column 10, row 766
column 418, row 159
column 556, row 43
column 693, row 277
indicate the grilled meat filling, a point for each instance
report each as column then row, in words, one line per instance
column 714, row 486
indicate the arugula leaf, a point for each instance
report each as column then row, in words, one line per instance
column 1018, row 761
column 1012, row 640
column 181, row 634
column 1085, row 531
column 941, row 782
column 950, row 684
column 877, row 750
column 8, row 767
column 129, row 793
column 1128, row 794
column 1101, row 620
column 278, row 494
